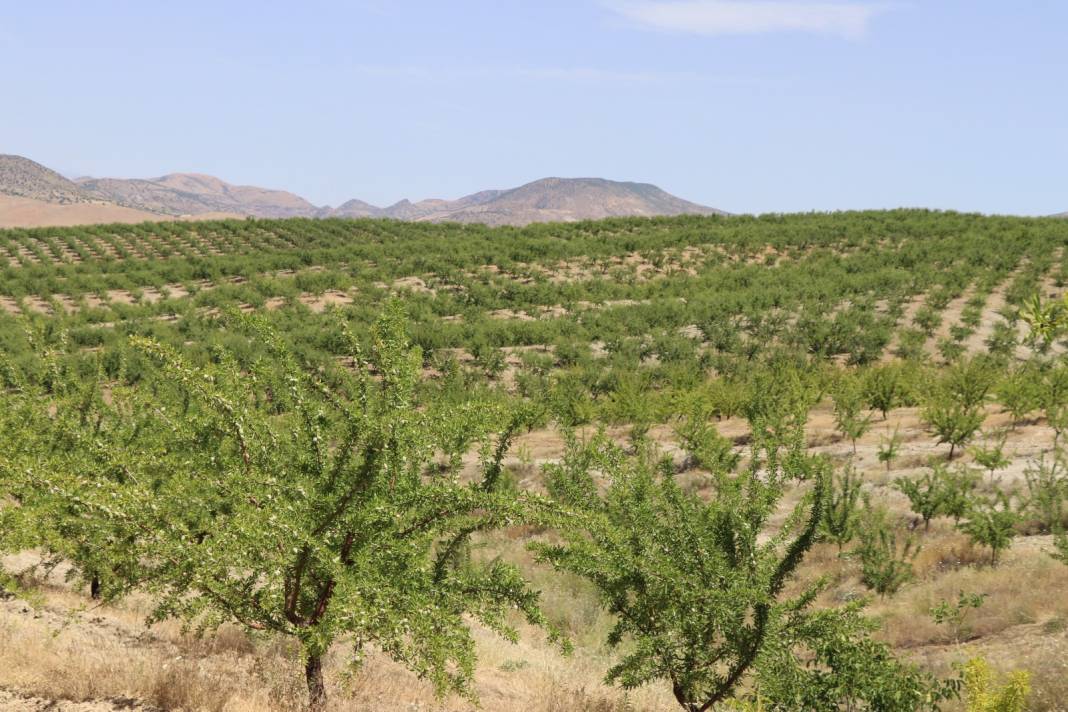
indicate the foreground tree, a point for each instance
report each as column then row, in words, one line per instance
column 697, row 587
column 284, row 501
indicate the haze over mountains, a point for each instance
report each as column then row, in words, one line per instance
column 31, row 195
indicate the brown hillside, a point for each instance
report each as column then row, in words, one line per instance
column 24, row 178
column 571, row 199
column 26, row 212
column 194, row 194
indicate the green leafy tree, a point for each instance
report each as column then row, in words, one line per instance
column 990, row 455
column 953, row 423
column 927, row 495
column 885, row 555
column 889, row 448
column 843, row 668
column 1047, row 492
column 778, row 401
column 885, row 388
column 64, row 418
column 687, row 579
column 271, row 497
column 955, row 614
column 1046, row 321
column 1019, row 393
column 1053, row 399
column 959, row 486
column 849, row 415
column 697, row 586
column 840, row 518
column 954, row 410
column 969, row 382
column 991, row 522
column 705, row 446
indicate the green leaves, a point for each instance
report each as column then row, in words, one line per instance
column 991, row 522
column 269, row 496
column 983, row 692
column 954, row 614
column 926, row 494
column 697, row 585
column 1045, row 320
column 841, row 516
column 885, row 554
column 689, row 581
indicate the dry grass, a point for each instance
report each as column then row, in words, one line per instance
column 61, row 650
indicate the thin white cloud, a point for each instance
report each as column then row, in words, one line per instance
column 734, row 17
column 581, row 75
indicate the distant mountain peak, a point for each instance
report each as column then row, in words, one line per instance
column 571, row 199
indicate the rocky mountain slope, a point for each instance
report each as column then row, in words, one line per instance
column 194, row 194
column 570, row 199
column 23, row 178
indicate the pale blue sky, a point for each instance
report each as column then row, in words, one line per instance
column 746, row 105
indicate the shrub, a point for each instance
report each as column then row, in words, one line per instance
column 983, row 693
column 956, row 613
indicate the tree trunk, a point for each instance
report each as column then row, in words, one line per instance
column 94, row 588
column 313, row 674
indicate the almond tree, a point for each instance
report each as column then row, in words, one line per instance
column 991, row 523
column 54, row 416
column 849, row 415
column 840, row 516
column 698, row 587
column 927, row 495
column 286, row 501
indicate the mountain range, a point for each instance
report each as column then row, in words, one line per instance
column 31, row 195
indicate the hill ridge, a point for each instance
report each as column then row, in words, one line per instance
column 554, row 198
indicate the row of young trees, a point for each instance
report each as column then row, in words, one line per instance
column 330, row 508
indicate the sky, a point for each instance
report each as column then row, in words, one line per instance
column 744, row 105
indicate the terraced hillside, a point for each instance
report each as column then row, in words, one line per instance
column 917, row 355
